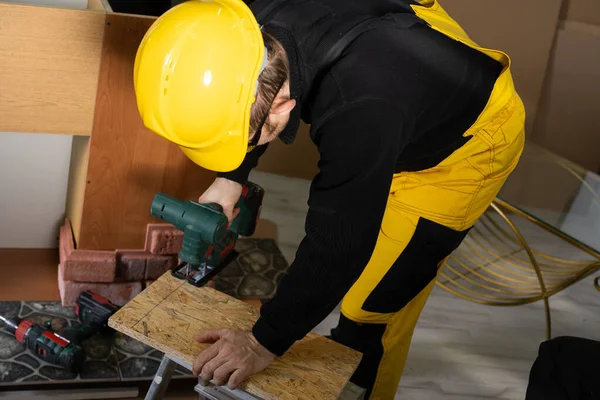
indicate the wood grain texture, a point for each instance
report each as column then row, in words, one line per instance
column 128, row 164
column 49, row 63
column 170, row 312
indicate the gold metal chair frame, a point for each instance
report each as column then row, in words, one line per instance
column 495, row 266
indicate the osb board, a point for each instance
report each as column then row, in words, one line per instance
column 169, row 313
column 568, row 121
column 587, row 11
column 523, row 29
column 128, row 164
column 49, row 62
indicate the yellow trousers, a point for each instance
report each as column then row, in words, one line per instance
column 428, row 214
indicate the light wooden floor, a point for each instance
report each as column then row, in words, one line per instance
column 460, row 350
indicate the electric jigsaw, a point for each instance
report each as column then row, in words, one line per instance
column 208, row 238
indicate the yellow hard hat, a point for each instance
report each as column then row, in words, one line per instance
column 195, row 79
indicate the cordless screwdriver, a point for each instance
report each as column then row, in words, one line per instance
column 45, row 344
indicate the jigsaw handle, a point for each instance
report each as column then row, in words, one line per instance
column 205, row 225
column 250, row 205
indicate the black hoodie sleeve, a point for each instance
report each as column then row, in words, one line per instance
column 240, row 175
column 359, row 146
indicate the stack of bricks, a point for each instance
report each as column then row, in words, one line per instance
column 118, row 275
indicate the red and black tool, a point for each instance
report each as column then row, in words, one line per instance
column 93, row 311
column 45, row 344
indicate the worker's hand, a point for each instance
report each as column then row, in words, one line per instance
column 223, row 192
column 234, row 356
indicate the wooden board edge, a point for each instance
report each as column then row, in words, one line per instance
column 99, row 5
column 77, row 183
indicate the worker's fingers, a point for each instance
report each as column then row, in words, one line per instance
column 209, row 336
column 236, row 379
column 221, row 374
column 205, row 357
column 207, row 372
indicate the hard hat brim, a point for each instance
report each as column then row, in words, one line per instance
column 222, row 157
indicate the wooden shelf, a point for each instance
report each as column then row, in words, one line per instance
column 49, row 63
column 71, row 72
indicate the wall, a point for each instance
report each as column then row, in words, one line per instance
column 33, row 187
column 35, row 170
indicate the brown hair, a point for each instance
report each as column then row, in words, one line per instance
column 270, row 82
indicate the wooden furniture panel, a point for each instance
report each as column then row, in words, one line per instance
column 127, row 164
column 49, row 62
column 80, row 151
column 99, row 5
column 169, row 313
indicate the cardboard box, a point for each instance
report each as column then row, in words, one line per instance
column 587, row 11
column 568, row 122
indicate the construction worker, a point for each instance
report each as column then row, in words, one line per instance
column 417, row 127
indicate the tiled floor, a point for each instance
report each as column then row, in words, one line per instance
column 460, row 350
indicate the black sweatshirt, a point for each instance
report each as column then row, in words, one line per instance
column 399, row 99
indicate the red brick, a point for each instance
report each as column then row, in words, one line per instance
column 156, row 266
column 90, row 266
column 131, row 265
column 163, row 239
column 117, row 292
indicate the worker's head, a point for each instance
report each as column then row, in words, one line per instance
column 271, row 110
column 207, row 78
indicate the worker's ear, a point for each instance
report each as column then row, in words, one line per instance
column 282, row 106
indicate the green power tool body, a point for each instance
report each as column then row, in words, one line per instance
column 208, row 239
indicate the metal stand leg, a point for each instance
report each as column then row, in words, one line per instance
column 548, row 318
column 161, row 379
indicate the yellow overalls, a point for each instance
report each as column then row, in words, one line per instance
column 454, row 193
